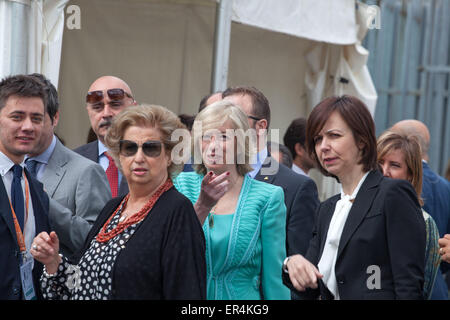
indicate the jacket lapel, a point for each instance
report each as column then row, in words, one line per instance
column 55, row 170
column 361, row 206
column 270, row 174
column 5, row 210
column 40, row 204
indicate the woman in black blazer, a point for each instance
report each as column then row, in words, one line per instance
column 369, row 241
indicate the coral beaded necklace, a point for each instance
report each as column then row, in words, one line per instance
column 104, row 236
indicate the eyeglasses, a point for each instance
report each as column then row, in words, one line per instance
column 116, row 94
column 129, row 148
column 254, row 118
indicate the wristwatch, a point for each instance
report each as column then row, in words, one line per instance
column 285, row 269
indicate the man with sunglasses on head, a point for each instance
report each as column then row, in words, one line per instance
column 77, row 187
column 300, row 192
column 106, row 97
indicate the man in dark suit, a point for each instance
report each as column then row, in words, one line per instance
column 435, row 194
column 23, row 202
column 300, row 192
column 106, row 97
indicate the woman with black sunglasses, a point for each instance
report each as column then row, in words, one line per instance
column 145, row 245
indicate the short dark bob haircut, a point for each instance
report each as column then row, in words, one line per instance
column 355, row 113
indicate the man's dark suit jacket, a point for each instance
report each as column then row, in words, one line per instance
column 10, row 257
column 90, row 151
column 385, row 228
column 301, row 199
column 436, row 196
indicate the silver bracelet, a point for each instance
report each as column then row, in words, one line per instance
column 285, row 269
column 51, row 275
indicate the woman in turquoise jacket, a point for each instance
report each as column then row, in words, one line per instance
column 243, row 219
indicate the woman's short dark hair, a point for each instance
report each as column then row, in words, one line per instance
column 355, row 113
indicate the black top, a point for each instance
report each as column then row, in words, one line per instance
column 162, row 257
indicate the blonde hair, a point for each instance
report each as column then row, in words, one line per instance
column 214, row 116
column 410, row 147
column 153, row 116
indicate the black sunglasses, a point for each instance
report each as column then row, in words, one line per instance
column 113, row 94
column 129, row 148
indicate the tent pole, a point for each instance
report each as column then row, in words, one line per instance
column 221, row 45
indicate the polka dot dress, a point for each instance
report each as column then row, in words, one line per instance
column 91, row 279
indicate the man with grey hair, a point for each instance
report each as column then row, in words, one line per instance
column 435, row 193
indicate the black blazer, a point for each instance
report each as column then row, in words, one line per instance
column 384, row 228
column 165, row 257
column 90, row 151
column 10, row 257
column 301, row 199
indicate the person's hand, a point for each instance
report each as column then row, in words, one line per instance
column 444, row 251
column 302, row 273
column 45, row 249
column 213, row 187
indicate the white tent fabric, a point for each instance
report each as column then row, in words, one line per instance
column 337, row 70
column 31, row 40
column 31, row 37
column 319, row 20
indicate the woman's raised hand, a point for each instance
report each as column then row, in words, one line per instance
column 45, row 249
column 213, row 187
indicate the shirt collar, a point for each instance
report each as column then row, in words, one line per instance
column 6, row 164
column 44, row 157
column 101, row 148
column 258, row 162
column 298, row 170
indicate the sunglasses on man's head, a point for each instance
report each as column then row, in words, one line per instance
column 254, row 118
column 113, row 94
column 150, row 148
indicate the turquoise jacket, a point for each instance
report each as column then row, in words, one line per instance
column 256, row 243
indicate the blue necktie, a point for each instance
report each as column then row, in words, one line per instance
column 31, row 166
column 17, row 195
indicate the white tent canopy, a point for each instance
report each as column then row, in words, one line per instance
column 164, row 51
column 31, row 37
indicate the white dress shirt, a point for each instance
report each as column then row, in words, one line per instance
column 257, row 162
column 42, row 159
column 104, row 162
column 298, row 170
column 327, row 261
column 29, row 231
